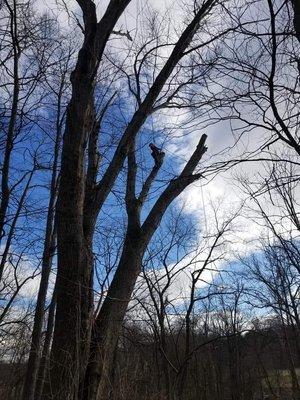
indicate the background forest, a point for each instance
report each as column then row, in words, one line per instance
column 149, row 209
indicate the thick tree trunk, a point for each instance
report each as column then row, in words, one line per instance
column 65, row 360
column 108, row 323
column 74, row 276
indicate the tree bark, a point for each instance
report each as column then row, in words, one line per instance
column 74, row 253
column 49, row 247
column 5, row 190
column 109, row 321
column 108, row 324
column 78, row 208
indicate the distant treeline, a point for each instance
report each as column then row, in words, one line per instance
column 262, row 363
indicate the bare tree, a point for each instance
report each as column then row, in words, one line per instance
column 56, row 81
column 260, row 71
column 178, row 292
column 273, row 274
column 80, row 197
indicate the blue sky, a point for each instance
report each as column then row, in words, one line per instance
column 178, row 137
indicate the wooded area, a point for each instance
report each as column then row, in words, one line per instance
column 149, row 210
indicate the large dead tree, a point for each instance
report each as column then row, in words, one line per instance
column 81, row 197
column 74, row 276
column 108, row 323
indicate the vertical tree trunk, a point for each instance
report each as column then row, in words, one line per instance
column 5, row 190
column 49, row 246
column 44, row 363
column 296, row 7
column 65, row 354
column 74, row 279
column 34, row 355
column 108, row 323
column 163, row 349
